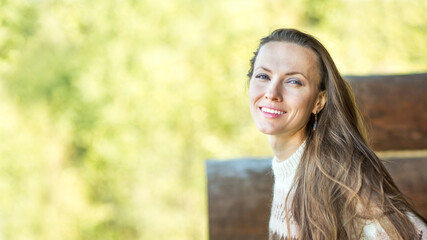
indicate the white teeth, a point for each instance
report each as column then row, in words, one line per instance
column 268, row 110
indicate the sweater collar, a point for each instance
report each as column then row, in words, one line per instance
column 287, row 167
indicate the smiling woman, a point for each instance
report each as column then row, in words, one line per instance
column 285, row 89
column 329, row 184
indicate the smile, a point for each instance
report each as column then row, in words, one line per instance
column 270, row 112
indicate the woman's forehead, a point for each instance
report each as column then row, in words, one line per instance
column 284, row 56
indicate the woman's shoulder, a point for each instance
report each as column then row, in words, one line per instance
column 374, row 229
column 419, row 225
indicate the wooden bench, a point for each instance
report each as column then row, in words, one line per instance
column 395, row 107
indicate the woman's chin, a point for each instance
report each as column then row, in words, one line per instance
column 269, row 131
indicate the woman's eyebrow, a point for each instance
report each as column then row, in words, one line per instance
column 264, row 68
column 286, row 74
column 294, row 73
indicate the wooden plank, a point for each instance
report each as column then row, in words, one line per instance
column 240, row 191
column 396, row 108
column 239, row 196
column 410, row 175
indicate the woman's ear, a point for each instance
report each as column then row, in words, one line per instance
column 320, row 102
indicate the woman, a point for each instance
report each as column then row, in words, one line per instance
column 328, row 183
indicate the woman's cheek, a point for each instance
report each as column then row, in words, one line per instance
column 255, row 92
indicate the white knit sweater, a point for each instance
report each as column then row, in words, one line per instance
column 284, row 173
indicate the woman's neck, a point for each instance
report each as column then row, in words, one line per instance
column 284, row 146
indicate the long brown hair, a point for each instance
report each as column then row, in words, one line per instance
column 340, row 183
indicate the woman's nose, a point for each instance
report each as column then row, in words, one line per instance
column 273, row 93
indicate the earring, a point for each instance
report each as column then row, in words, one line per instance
column 315, row 122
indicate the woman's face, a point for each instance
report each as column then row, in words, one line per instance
column 283, row 90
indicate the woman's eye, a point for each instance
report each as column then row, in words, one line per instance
column 294, row 81
column 262, row 76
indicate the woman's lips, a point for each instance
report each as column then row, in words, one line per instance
column 269, row 112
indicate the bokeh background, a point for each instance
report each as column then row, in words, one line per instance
column 108, row 109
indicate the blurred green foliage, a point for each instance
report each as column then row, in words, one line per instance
column 109, row 108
